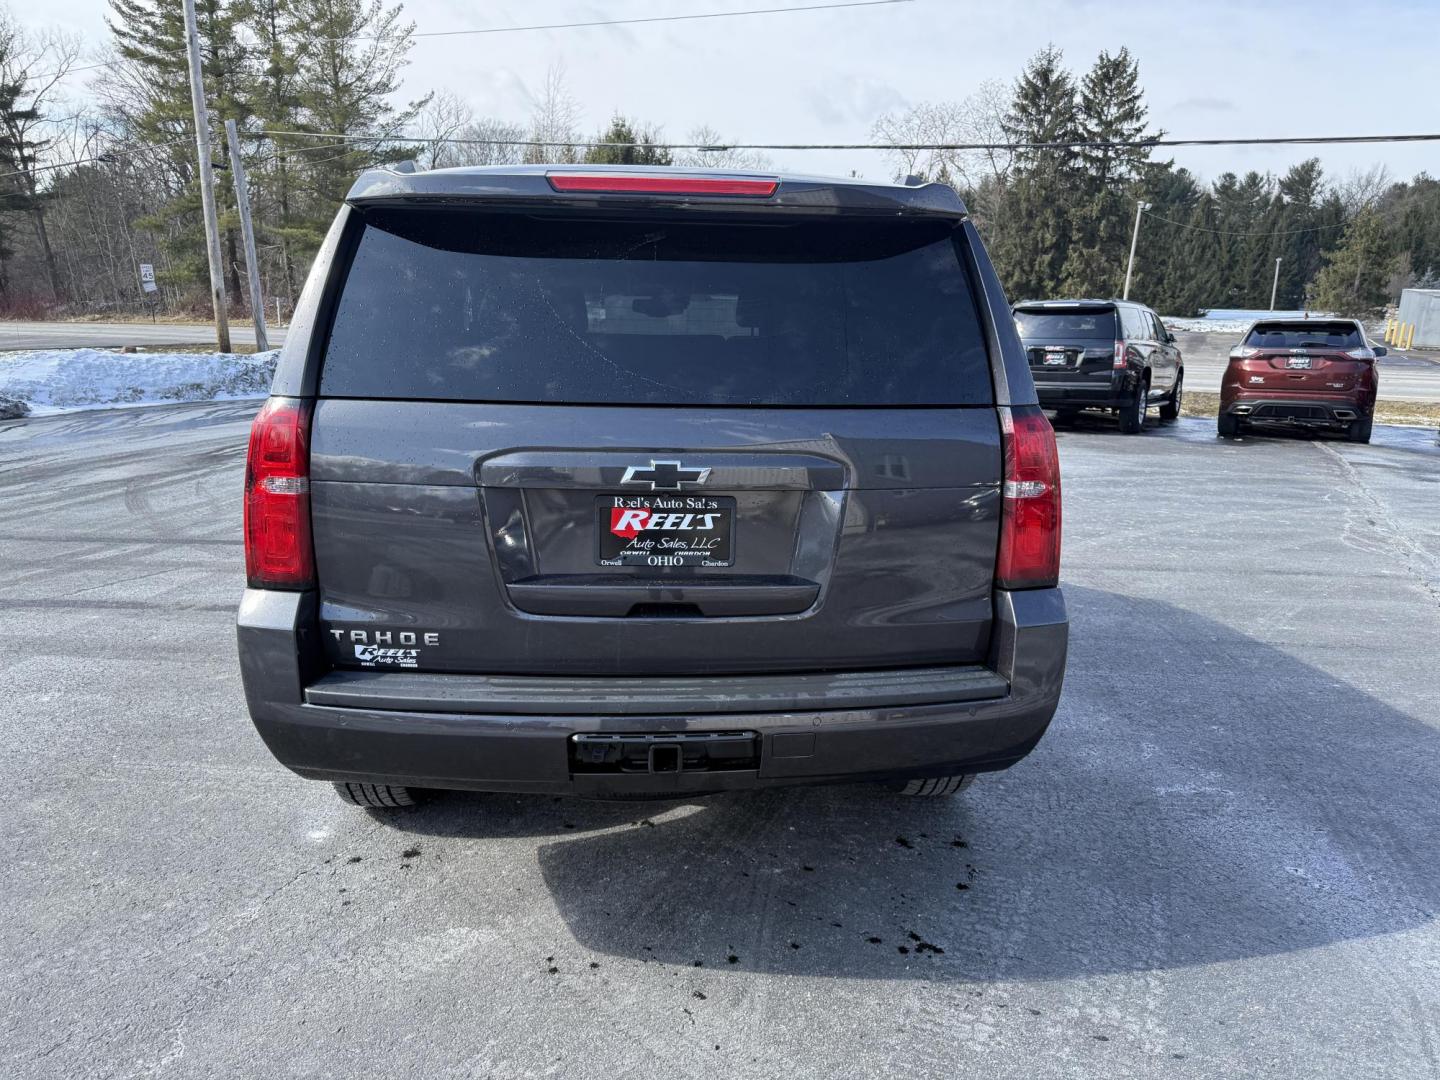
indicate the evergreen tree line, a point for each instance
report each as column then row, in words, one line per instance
column 313, row 86
column 1058, row 221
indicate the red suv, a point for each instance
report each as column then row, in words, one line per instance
column 1309, row 373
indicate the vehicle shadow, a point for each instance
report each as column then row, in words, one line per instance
column 1416, row 439
column 1203, row 797
column 1095, row 422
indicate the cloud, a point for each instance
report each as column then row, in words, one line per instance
column 1205, row 104
column 840, row 101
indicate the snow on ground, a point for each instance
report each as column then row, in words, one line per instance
column 62, row 380
column 1233, row 320
column 1208, row 326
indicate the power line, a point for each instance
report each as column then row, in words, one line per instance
column 837, row 4
column 664, row 18
column 107, row 156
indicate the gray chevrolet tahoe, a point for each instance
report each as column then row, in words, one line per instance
column 642, row 482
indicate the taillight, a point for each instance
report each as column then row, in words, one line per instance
column 660, row 184
column 1364, row 352
column 278, row 552
column 1030, row 514
column 1119, row 354
column 1243, row 352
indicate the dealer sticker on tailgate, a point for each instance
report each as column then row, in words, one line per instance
column 665, row 530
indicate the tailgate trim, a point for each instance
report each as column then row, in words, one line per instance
column 407, row 691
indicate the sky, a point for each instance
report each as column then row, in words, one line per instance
column 1210, row 69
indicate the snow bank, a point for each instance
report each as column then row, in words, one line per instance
column 63, row 380
column 1208, row 326
column 1233, row 320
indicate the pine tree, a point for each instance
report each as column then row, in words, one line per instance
column 1111, row 110
column 1030, row 251
column 642, row 152
column 13, row 197
column 275, row 100
column 150, row 34
column 1305, row 224
column 1201, row 281
column 344, row 78
column 32, row 66
column 1162, row 277
column 1356, row 277
column 1412, row 217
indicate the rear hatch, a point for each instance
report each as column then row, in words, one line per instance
column 630, row 441
column 1303, row 358
column 1070, row 342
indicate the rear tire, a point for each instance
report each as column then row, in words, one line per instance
column 375, row 796
column 1227, row 426
column 1170, row 407
column 1132, row 413
column 1359, row 430
column 936, row 786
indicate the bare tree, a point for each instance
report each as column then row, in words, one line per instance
column 555, row 121
column 1362, row 188
column 451, row 134
column 443, row 118
column 491, row 142
column 935, row 125
column 32, row 67
column 984, row 116
column 719, row 155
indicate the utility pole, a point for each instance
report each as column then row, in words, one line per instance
column 1275, row 288
column 207, row 180
column 1134, row 239
column 247, row 233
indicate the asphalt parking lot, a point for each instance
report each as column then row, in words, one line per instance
column 1220, row 862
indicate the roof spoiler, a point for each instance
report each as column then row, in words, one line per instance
column 598, row 186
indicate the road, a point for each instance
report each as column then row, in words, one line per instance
column 1404, row 376
column 103, row 335
column 1221, row 861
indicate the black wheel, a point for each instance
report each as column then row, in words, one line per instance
column 1359, row 430
column 1132, row 413
column 1170, row 407
column 936, row 786
column 1228, row 426
column 377, row 796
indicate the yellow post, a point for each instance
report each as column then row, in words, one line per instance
column 1410, row 338
column 1389, row 331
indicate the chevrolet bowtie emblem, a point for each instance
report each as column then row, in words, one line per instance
column 664, row 475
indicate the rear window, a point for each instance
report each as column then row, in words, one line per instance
column 467, row 306
column 1097, row 323
column 1314, row 335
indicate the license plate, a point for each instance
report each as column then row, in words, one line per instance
column 1298, row 362
column 1054, row 357
column 665, row 530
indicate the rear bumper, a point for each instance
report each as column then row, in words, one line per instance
column 1107, row 393
column 1328, row 413
column 460, row 740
